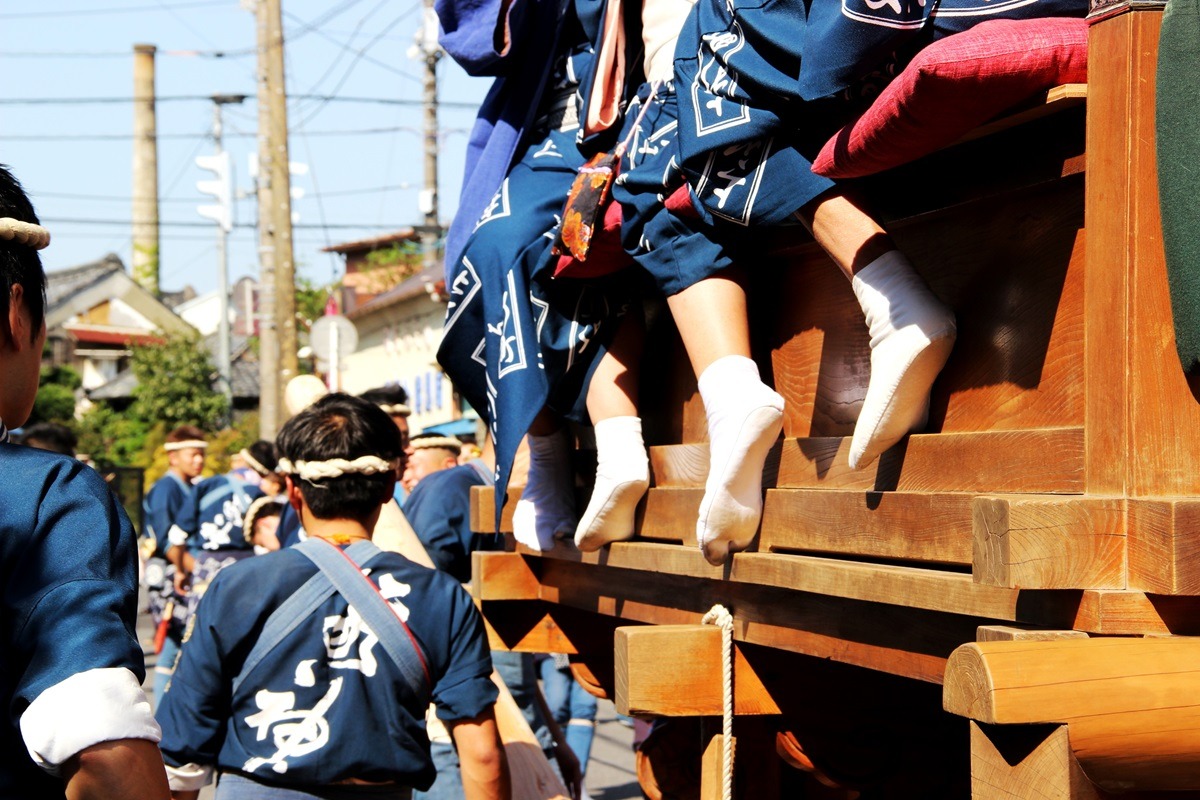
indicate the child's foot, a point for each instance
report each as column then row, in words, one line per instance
column 912, row 334
column 547, row 505
column 622, row 477
column 744, row 420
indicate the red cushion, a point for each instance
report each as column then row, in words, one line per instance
column 953, row 86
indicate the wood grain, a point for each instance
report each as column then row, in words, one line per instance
column 1164, row 546
column 502, row 576
column 532, row 776
column 1049, row 542
column 1010, row 633
column 1026, row 762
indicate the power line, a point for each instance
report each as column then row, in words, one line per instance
column 236, row 134
column 114, row 10
column 190, row 224
column 325, row 98
column 115, row 198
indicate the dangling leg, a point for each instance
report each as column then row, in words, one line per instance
column 547, row 505
column 744, row 414
column 912, row 332
column 622, row 469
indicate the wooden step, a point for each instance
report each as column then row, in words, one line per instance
column 1044, row 461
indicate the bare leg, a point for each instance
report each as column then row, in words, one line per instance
column 622, row 470
column 744, row 415
column 912, row 332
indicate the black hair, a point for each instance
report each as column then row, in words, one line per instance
column 386, row 395
column 263, row 452
column 19, row 263
column 50, row 436
column 341, row 426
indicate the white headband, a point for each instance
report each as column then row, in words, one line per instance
column 334, row 467
column 199, row 444
column 254, row 463
column 442, row 442
column 25, row 233
column 396, row 410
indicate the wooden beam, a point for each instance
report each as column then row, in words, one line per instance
column 1132, row 705
column 502, row 576
column 1164, row 546
column 1049, row 542
column 483, row 509
column 913, row 526
column 532, row 776
column 1026, row 761
column 1047, row 460
column 1010, row 633
column 675, row 671
column 669, row 514
column 524, row 627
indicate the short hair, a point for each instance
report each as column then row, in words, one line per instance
column 386, row 396
column 50, row 436
column 263, row 452
column 185, row 433
column 20, row 263
column 341, row 426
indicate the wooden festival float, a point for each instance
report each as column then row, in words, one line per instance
column 1002, row 607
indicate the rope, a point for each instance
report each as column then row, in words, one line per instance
column 25, row 233
column 334, row 467
column 719, row 615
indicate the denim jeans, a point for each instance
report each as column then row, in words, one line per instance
column 573, row 709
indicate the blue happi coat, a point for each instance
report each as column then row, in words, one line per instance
column 330, row 672
column 164, row 505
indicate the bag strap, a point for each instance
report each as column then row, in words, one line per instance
column 343, row 568
column 291, row 612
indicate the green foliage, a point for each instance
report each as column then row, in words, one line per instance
column 56, row 396
column 310, row 301
column 175, row 385
column 113, row 437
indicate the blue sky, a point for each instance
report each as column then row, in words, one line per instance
column 364, row 158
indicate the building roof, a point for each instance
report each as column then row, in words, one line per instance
column 244, row 377
column 73, row 291
column 103, row 334
column 375, row 243
column 63, row 283
column 426, row 282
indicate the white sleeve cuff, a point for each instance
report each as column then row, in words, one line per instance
column 189, row 777
column 100, row 705
column 177, row 536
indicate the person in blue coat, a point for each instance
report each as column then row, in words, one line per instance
column 75, row 718
column 165, row 541
column 287, row 690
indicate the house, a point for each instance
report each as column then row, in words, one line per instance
column 94, row 312
column 399, row 325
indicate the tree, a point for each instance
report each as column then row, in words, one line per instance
column 175, row 385
column 56, row 395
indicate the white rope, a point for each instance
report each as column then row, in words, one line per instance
column 334, row 467
column 199, row 444
column 254, row 463
column 25, row 233
column 719, row 615
column 395, row 409
column 435, row 442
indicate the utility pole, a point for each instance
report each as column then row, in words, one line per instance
column 277, row 359
column 145, row 170
column 222, row 214
column 427, row 49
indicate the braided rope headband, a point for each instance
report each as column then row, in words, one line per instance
column 254, row 463
column 199, row 444
column 396, row 410
column 442, row 442
column 25, row 233
column 334, row 467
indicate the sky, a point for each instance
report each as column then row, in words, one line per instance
column 354, row 117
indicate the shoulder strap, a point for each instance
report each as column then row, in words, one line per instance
column 343, row 570
column 291, row 612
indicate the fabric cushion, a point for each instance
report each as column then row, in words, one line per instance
column 954, row 85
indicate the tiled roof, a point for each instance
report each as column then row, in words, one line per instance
column 63, row 283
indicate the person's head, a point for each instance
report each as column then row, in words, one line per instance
column 255, row 464
column 22, row 301
column 340, row 457
column 50, row 436
column 185, row 448
column 429, row 453
column 394, row 402
column 261, row 524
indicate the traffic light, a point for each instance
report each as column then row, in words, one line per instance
column 221, row 188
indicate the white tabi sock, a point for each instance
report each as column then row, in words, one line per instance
column 622, row 477
column 912, row 334
column 744, row 420
column 547, row 504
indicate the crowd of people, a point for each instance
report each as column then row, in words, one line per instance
column 312, row 632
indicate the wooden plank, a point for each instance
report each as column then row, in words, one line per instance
column 669, row 514
column 531, row 774
column 524, row 627
column 911, row 526
column 675, row 671
column 1047, row 461
column 1026, row 762
column 712, row 768
column 1048, row 542
column 1164, row 546
column 1010, row 633
column 1060, row 98
column 502, row 576
column 1132, row 705
column 483, row 509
